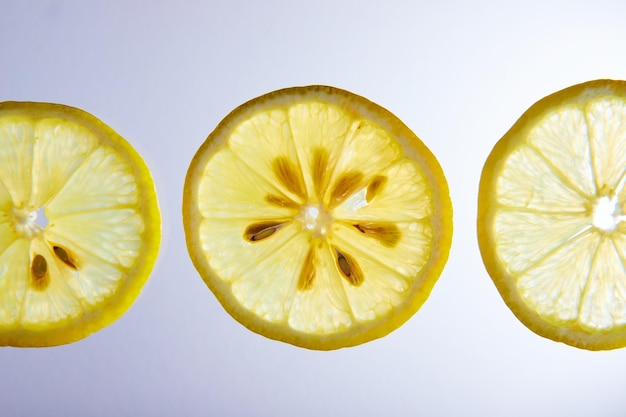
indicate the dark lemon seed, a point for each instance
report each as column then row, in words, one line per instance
column 281, row 201
column 375, row 187
column 39, row 269
column 262, row 230
column 346, row 185
column 348, row 267
column 387, row 234
column 63, row 256
column 307, row 274
column 289, row 176
column 319, row 167
column 344, row 265
column 264, row 234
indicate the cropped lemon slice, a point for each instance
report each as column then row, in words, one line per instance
column 79, row 224
column 317, row 217
column 551, row 211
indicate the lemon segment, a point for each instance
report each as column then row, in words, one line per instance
column 317, row 218
column 551, row 212
column 80, row 224
column 14, row 261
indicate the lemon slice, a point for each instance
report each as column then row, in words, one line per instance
column 317, row 217
column 551, row 211
column 79, row 224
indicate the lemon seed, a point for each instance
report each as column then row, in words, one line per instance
column 346, row 185
column 63, row 256
column 288, row 174
column 307, row 275
column 374, row 188
column 349, row 269
column 259, row 231
column 387, row 234
column 38, row 269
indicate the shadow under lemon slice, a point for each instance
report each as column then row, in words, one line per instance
column 317, row 217
column 79, row 224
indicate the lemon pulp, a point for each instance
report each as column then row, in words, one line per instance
column 551, row 216
column 79, row 224
column 317, row 217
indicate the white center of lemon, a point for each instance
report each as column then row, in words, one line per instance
column 40, row 218
column 315, row 218
column 29, row 222
column 606, row 214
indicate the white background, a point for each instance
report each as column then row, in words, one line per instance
column 163, row 74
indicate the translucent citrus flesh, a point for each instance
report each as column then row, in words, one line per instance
column 552, row 206
column 79, row 224
column 317, row 218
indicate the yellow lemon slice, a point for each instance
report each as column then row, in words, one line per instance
column 317, row 217
column 551, row 211
column 79, row 224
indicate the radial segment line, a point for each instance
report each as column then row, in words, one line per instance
column 548, row 254
column 588, row 280
column 620, row 183
column 86, row 249
column 623, row 265
column 2, row 252
column 260, row 134
column 277, row 248
column 619, row 255
column 249, row 216
column 69, row 176
column 341, row 284
column 8, row 246
column 263, row 178
column 565, row 180
column 594, row 168
column 350, row 133
column 73, row 292
column 388, row 267
column 349, row 221
column 3, row 185
column 22, row 300
column 325, row 248
column 390, row 163
column 32, row 167
column 529, row 210
column 295, row 151
column 293, row 288
column 332, row 162
column 81, row 211
column 381, row 262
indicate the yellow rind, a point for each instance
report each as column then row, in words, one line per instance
column 418, row 152
column 72, row 330
column 572, row 335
